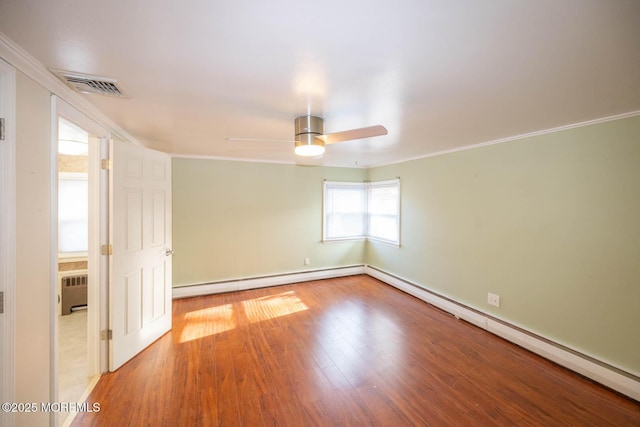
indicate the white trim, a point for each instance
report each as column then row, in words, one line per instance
column 72, row 257
column 199, row 289
column 67, row 273
column 385, row 183
column 514, row 138
column 366, row 187
column 61, row 109
column 627, row 383
column 74, row 176
column 93, row 255
column 390, row 183
column 96, row 132
column 230, row 159
column 102, row 262
column 27, row 64
column 383, row 242
column 450, row 306
column 437, row 153
column 347, row 184
column 8, row 235
column 344, row 185
column 345, row 239
column 250, row 160
column 53, row 262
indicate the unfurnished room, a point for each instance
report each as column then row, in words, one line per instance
column 320, row 214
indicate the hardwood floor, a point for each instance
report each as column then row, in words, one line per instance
column 348, row 351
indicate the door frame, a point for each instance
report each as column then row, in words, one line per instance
column 8, row 235
column 97, row 351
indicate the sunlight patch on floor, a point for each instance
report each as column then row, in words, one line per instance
column 215, row 320
column 207, row 322
column 272, row 306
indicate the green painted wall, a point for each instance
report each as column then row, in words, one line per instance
column 550, row 223
column 237, row 219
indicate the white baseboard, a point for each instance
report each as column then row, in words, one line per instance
column 265, row 281
column 599, row 371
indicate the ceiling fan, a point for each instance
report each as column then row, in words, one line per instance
column 310, row 139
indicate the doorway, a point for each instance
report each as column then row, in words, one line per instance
column 72, row 272
column 129, row 217
column 78, row 292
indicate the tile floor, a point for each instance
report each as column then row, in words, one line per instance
column 72, row 357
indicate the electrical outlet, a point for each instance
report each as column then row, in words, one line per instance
column 307, row 261
column 493, row 299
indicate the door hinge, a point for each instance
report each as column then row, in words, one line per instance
column 106, row 164
column 1, row 129
column 106, row 334
column 106, row 250
column 1, row 302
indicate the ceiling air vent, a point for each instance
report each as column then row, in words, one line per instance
column 85, row 83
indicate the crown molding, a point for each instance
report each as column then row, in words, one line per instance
column 252, row 160
column 516, row 137
column 22, row 61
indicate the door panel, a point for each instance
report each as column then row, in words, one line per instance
column 140, row 285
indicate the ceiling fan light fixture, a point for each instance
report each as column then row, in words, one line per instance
column 308, row 145
column 310, row 138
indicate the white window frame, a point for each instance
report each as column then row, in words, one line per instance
column 384, row 184
column 327, row 185
column 366, row 188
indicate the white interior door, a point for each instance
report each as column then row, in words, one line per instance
column 140, row 265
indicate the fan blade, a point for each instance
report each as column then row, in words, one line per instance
column 348, row 135
column 258, row 140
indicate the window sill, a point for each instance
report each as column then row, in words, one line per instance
column 368, row 239
column 72, row 256
column 346, row 239
column 384, row 242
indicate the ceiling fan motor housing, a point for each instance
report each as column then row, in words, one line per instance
column 307, row 128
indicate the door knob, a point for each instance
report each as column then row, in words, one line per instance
column 168, row 252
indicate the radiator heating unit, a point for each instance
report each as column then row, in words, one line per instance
column 73, row 285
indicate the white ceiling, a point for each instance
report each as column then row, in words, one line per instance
column 439, row 74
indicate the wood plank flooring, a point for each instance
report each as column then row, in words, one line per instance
column 340, row 352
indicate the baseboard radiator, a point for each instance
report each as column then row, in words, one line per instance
column 625, row 382
column 73, row 285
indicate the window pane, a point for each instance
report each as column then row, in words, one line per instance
column 383, row 200
column 383, row 227
column 346, row 200
column 353, row 210
column 344, row 212
column 384, row 209
column 73, row 215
